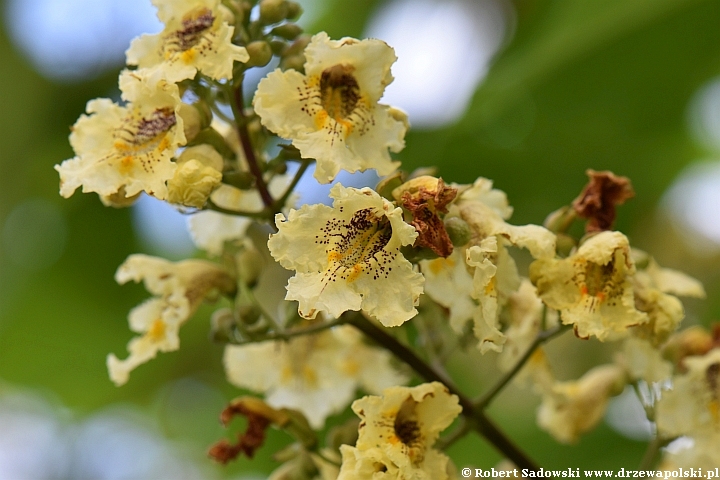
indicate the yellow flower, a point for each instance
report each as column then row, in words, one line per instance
column 126, row 147
column 315, row 374
column 331, row 113
column 653, row 287
column 495, row 275
column 643, row 361
column 692, row 406
column 397, row 433
column 196, row 37
column 179, row 288
column 592, row 288
column 523, row 317
column 347, row 257
column 572, row 408
column 448, row 283
column 198, row 174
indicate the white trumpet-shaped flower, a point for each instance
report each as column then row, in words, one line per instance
column 347, row 257
column 331, row 112
column 130, row 147
column 196, row 38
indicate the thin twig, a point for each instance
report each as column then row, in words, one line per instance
column 460, row 431
column 280, row 203
column 238, row 107
column 261, row 215
column 651, row 452
column 295, row 332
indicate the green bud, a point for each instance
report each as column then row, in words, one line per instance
column 248, row 314
column 294, row 62
column 288, row 31
column 241, row 180
column 458, row 230
column 278, row 46
column 565, row 244
column 294, row 10
column 211, row 136
column 273, row 11
column 222, row 323
column 298, row 46
column 344, row 434
column 415, row 254
column 560, row 220
column 192, row 121
column 260, row 53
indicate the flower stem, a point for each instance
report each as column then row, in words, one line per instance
column 261, row 215
column 280, row 203
column 445, row 442
column 475, row 416
column 238, row 107
column 541, row 338
column 651, row 452
column 295, row 332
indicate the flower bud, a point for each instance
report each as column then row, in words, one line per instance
column 294, row 10
column 222, row 324
column 560, row 220
column 193, row 121
column 273, row 11
column 197, row 175
column 260, row 53
column 692, row 341
column 458, row 230
column 288, row 31
column 298, row 46
column 278, row 47
column 241, row 180
column 248, row 314
column 294, row 62
column 205, row 154
column 565, row 244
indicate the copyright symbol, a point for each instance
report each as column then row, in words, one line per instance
column 466, row 472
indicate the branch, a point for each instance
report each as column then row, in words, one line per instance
column 295, row 332
column 262, row 215
column 238, row 107
column 280, row 203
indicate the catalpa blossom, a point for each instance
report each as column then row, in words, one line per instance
column 196, row 37
column 492, row 269
column 592, row 288
column 331, row 113
column 692, row 406
column 571, row 408
column 449, row 284
column 199, row 172
column 347, row 257
column 655, row 289
column 315, row 374
column 127, row 147
column 495, row 274
column 179, row 288
column 397, row 433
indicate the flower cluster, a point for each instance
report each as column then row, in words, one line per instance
column 321, row 301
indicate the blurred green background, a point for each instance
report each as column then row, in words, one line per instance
column 576, row 84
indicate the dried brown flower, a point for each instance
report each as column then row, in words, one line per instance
column 598, row 200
